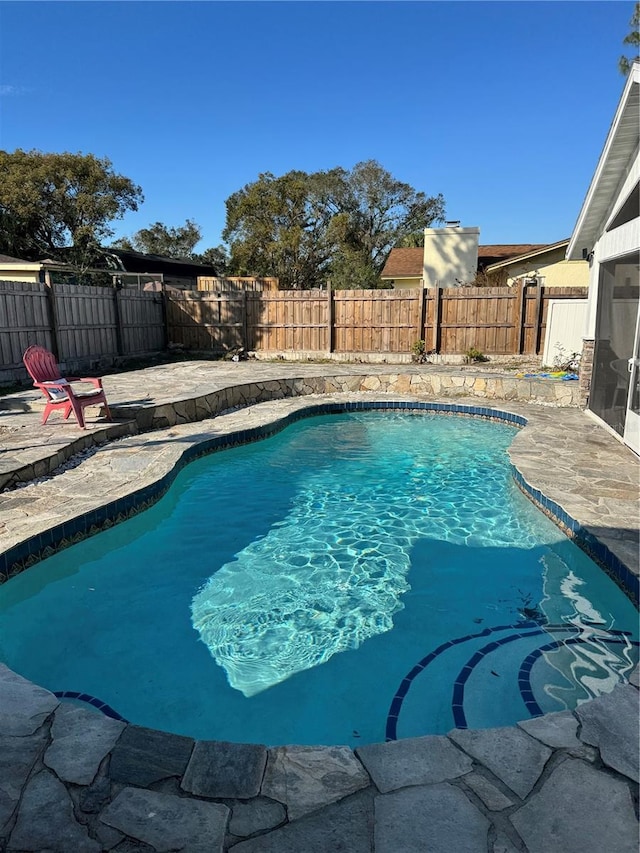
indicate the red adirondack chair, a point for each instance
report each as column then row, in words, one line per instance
column 43, row 369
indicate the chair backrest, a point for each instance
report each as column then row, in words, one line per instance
column 41, row 364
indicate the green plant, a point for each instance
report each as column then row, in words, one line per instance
column 419, row 352
column 473, row 356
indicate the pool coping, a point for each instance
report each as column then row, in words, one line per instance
column 286, row 762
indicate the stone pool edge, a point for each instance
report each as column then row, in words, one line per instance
column 81, row 781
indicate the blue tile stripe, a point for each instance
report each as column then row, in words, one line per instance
column 524, row 674
column 107, row 710
column 522, row 630
column 391, row 731
column 457, row 702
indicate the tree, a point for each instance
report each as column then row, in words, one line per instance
column 381, row 211
column 278, row 227
column 160, row 239
column 411, row 241
column 216, row 256
column 306, row 228
column 60, row 205
column 178, row 243
column 633, row 39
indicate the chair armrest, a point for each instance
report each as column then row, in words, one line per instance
column 97, row 382
column 52, row 383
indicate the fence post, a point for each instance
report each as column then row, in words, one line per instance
column 437, row 301
column 330, row 317
column 520, row 318
column 537, row 330
column 118, row 319
column 164, row 297
column 421, row 306
column 245, row 321
column 53, row 314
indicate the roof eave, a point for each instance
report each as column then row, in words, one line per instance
column 584, row 233
column 516, row 259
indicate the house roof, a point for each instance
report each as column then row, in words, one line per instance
column 533, row 252
column 404, row 263
column 491, row 254
column 407, row 263
column 622, row 140
column 7, row 259
column 141, row 263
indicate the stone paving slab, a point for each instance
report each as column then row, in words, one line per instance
column 511, row 755
column 436, row 818
column 413, row 761
column 168, row 823
column 612, row 726
column 215, row 767
column 80, row 740
column 579, row 809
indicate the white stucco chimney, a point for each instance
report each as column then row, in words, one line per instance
column 450, row 255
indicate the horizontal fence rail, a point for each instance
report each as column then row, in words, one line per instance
column 80, row 322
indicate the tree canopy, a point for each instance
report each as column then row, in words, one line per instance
column 160, row 239
column 279, row 226
column 632, row 39
column 54, row 202
column 339, row 225
column 175, row 242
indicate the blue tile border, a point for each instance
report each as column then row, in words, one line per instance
column 586, row 541
column 405, row 684
column 32, row 550
column 107, row 710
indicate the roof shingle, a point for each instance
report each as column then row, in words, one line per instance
column 407, row 263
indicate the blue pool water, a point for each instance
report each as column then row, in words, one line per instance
column 354, row 577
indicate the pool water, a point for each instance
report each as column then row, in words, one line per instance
column 354, row 577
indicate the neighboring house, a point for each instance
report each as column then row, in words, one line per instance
column 450, row 255
column 607, row 234
column 179, row 274
column 15, row 269
column 406, row 267
column 542, row 264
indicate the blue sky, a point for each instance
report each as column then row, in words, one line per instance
column 503, row 107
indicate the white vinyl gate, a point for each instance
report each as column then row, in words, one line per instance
column 566, row 324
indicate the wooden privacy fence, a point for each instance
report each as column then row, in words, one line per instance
column 78, row 322
column 236, row 283
column 493, row 320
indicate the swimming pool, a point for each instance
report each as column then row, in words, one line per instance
column 353, row 577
